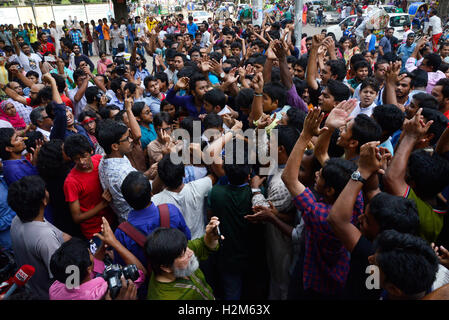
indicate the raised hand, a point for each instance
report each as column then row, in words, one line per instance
column 279, row 50
column 416, row 127
column 392, row 74
column 370, row 160
column 258, row 83
column 339, row 115
column 129, row 101
column 317, row 41
column 182, row 84
column 312, row 123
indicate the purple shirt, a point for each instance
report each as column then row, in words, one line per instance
column 14, row 170
column 295, row 101
column 187, row 102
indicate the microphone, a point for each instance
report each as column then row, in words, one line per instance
column 20, row 279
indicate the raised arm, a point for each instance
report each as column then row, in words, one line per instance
column 257, row 105
column 291, row 171
column 312, row 69
column 340, row 215
column 443, row 143
column 136, row 132
column 413, row 131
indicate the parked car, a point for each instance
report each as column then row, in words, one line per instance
column 336, row 29
column 200, row 16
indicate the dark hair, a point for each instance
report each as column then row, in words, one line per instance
column 430, row 172
column 287, row 136
column 105, row 113
column 160, row 118
column 439, row 123
column 171, row 174
column 25, row 197
column 74, row 252
column 87, row 113
column 36, row 115
column 433, row 60
column 116, row 84
column 370, row 82
column 137, row 108
column 78, row 73
column 212, row 120
column 361, row 64
column 32, row 73
column 5, row 141
column 32, row 137
column 244, row 98
column 50, row 163
column 296, row 118
column 394, row 212
column 338, row 90
column 419, row 78
column 445, row 84
column 60, row 82
column 276, row 91
column 425, row 100
column 407, row 261
column 187, row 124
column 136, row 190
column 91, row 94
column 163, row 246
column 336, row 173
column 365, row 129
column 338, row 69
column 162, row 76
column 76, row 145
column 194, row 79
column 148, row 79
column 389, row 117
column 356, row 58
column 216, row 97
column 108, row 132
column 237, row 174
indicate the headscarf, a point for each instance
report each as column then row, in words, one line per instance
column 16, row 120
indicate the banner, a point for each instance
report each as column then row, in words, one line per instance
column 9, row 16
column 43, row 14
column 69, row 12
column 26, row 15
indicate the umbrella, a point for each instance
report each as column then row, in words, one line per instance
column 377, row 19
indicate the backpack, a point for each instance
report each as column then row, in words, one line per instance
column 139, row 237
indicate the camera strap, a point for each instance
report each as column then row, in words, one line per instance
column 138, row 236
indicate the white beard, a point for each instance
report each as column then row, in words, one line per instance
column 187, row 272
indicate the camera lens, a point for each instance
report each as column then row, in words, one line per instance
column 131, row 272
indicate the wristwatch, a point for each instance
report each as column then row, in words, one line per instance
column 255, row 190
column 222, row 75
column 357, row 177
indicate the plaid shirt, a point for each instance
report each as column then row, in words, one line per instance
column 112, row 172
column 76, row 37
column 23, row 110
column 326, row 261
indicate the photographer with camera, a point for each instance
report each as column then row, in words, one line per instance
column 95, row 100
column 90, row 278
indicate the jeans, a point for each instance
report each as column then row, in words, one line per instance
column 102, row 46
column 86, row 48
column 126, row 44
column 114, row 51
column 318, row 20
column 232, row 285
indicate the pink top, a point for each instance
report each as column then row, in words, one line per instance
column 102, row 66
column 432, row 77
column 94, row 289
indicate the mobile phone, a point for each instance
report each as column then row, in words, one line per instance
column 94, row 244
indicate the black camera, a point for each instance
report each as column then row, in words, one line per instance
column 99, row 95
column 120, row 70
column 112, row 274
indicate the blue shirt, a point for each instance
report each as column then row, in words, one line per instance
column 6, row 216
column 153, row 103
column 14, row 170
column 186, row 102
column 385, row 44
column 192, row 28
column 130, row 28
column 405, row 52
column 100, row 32
column 141, row 74
column 148, row 135
column 146, row 221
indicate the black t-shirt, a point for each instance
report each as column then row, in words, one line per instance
column 355, row 288
column 320, row 11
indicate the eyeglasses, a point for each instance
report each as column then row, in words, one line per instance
column 128, row 138
column 138, row 58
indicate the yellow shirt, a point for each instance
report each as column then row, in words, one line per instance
column 33, row 36
column 3, row 75
column 151, row 24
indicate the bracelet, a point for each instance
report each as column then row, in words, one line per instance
column 258, row 95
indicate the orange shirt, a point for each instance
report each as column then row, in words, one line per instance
column 105, row 29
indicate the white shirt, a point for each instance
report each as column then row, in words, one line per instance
column 78, row 106
column 30, row 63
column 435, row 23
column 45, row 133
column 368, row 110
column 205, row 39
column 406, row 33
column 190, row 201
column 140, row 29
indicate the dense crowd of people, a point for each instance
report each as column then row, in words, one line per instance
column 222, row 161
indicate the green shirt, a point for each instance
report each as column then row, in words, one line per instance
column 194, row 288
column 353, row 83
column 430, row 219
column 243, row 248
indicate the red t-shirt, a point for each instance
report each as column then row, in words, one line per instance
column 67, row 101
column 48, row 47
column 86, row 188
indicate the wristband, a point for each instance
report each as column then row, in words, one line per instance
column 258, row 95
